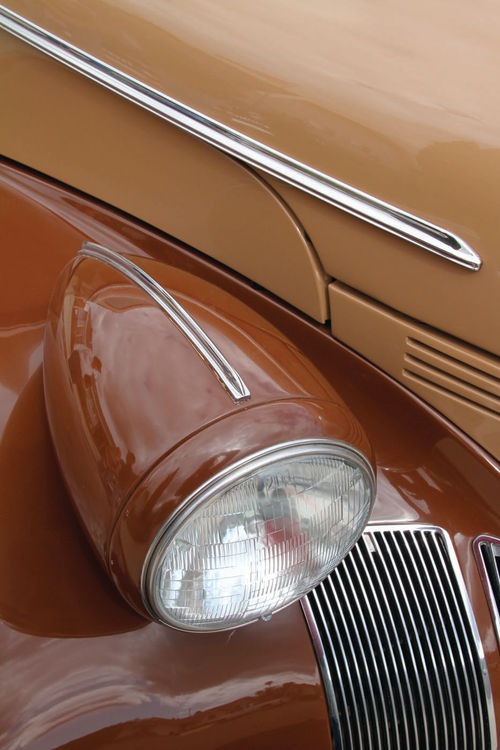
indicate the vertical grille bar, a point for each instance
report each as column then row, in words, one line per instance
column 438, row 638
column 404, row 663
column 374, row 592
column 378, row 666
column 358, row 673
column 447, row 615
column 412, row 660
column 371, row 677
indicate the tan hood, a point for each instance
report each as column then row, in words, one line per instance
column 399, row 101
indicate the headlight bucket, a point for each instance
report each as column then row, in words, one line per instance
column 141, row 423
column 215, row 456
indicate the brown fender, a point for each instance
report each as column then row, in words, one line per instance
column 140, row 420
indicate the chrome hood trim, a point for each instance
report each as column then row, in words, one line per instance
column 203, row 345
column 383, row 215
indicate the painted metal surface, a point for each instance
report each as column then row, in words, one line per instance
column 362, row 101
column 82, row 668
column 168, row 179
column 305, row 103
column 323, row 186
column 139, row 422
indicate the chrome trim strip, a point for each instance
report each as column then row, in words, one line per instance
column 383, row 215
column 203, row 345
column 487, row 541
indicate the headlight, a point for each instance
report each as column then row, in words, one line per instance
column 259, row 536
column 219, row 477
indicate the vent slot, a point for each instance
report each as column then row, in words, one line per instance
column 449, row 363
column 472, row 384
column 399, row 650
column 458, row 379
column 431, row 383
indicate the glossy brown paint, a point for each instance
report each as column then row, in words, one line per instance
column 81, row 668
column 84, row 671
column 127, row 393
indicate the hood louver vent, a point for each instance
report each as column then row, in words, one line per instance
column 458, row 379
column 451, row 375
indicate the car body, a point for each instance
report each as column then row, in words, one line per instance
column 323, row 179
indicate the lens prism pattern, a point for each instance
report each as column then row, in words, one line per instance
column 251, row 549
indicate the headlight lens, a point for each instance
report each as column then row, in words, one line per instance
column 259, row 536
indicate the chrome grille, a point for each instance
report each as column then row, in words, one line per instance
column 402, row 662
column 487, row 551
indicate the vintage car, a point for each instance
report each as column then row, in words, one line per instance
column 250, row 375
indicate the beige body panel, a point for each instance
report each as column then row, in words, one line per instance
column 70, row 128
column 396, row 100
column 463, row 303
column 460, row 381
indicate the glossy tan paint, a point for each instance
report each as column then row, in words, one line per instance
column 118, row 153
column 128, row 397
column 84, row 670
column 376, row 96
column 461, row 382
column 458, row 302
